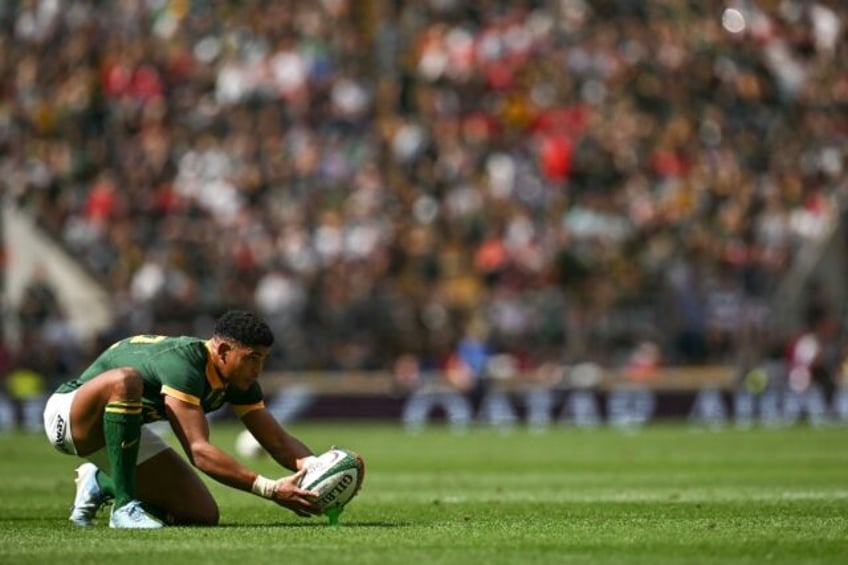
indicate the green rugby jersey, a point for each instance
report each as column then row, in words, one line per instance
column 180, row 367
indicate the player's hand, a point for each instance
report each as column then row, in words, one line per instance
column 306, row 462
column 289, row 495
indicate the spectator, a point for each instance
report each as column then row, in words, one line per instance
column 810, row 356
column 542, row 163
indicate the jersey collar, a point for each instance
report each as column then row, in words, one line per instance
column 212, row 375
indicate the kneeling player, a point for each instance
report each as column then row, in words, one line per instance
column 100, row 416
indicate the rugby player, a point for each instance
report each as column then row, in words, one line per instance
column 101, row 416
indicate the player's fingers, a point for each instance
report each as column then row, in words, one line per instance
column 309, row 506
column 295, row 478
column 300, row 506
column 291, row 505
column 307, row 493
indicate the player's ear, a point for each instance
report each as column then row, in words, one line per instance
column 223, row 349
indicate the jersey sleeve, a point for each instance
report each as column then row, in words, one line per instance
column 247, row 400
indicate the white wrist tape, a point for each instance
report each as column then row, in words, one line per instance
column 263, row 486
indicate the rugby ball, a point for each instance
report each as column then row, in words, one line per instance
column 336, row 476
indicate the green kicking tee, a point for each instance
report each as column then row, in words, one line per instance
column 180, row 367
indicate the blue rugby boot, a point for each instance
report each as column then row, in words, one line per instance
column 132, row 515
column 89, row 497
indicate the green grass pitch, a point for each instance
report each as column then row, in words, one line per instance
column 660, row 494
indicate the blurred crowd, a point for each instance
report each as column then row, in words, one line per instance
column 410, row 185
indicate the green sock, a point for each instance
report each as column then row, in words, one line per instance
column 122, row 430
column 105, row 482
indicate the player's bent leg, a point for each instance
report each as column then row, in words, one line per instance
column 90, row 403
column 112, row 400
column 104, row 413
column 167, row 482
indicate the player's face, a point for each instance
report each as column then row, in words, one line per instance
column 244, row 364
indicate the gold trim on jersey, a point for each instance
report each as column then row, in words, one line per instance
column 243, row 409
column 180, row 395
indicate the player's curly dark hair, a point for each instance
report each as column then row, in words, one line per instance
column 244, row 327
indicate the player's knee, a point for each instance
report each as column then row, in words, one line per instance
column 212, row 517
column 208, row 515
column 127, row 383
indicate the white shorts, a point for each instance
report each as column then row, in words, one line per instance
column 57, row 426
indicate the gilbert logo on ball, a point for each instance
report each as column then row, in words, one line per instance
column 336, row 476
